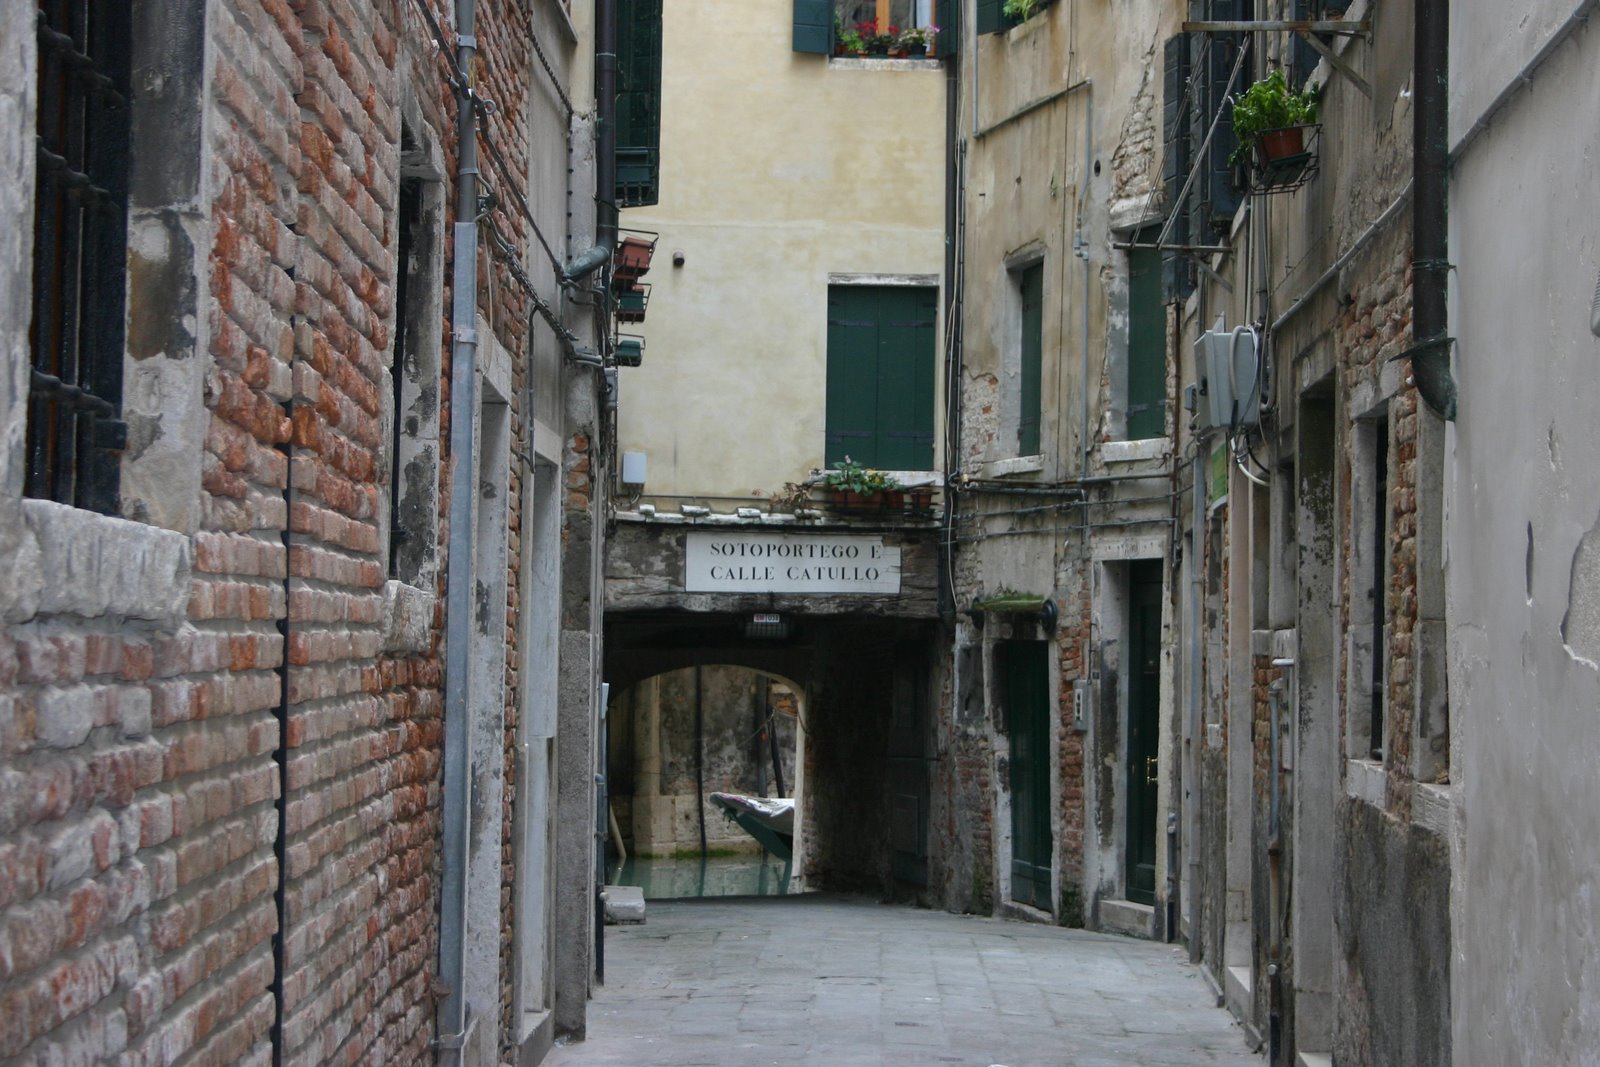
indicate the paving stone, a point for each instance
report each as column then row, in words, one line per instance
column 813, row 981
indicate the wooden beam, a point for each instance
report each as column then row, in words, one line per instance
column 1337, row 61
column 1278, row 25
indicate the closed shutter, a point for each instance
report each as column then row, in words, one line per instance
column 1147, row 342
column 949, row 22
column 1220, row 192
column 881, row 348
column 1032, row 364
column 852, row 416
column 1176, row 159
column 813, row 26
column 1303, row 58
column 990, row 16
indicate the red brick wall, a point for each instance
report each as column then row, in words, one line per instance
column 138, row 781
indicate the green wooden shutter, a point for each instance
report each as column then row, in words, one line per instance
column 881, row 375
column 1147, row 342
column 1032, row 363
column 1176, row 158
column 813, row 26
column 949, row 22
column 1216, row 180
column 905, row 379
column 852, row 415
column 990, row 16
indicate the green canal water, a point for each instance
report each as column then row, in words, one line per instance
column 751, row 874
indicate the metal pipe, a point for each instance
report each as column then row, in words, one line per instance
column 1191, row 639
column 1082, row 252
column 1430, row 247
column 1028, row 109
column 605, row 90
column 1523, row 79
column 454, row 1018
column 1345, row 257
column 700, row 756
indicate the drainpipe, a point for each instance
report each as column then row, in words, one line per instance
column 1191, row 652
column 1275, row 873
column 1430, row 267
column 1081, row 249
column 605, row 91
column 454, row 1022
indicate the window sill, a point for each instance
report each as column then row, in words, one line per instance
column 76, row 562
column 1368, row 781
column 1005, row 468
column 407, row 617
column 882, row 63
column 1139, row 451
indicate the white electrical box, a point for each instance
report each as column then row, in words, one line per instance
column 1229, row 365
column 633, row 468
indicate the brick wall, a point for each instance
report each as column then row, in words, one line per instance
column 143, row 752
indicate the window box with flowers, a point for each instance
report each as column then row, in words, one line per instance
column 857, row 490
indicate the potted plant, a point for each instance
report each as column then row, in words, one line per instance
column 918, row 39
column 1270, row 119
column 853, row 487
column 846, row 42
column 1021, row 10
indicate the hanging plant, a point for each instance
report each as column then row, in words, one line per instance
column 1267, row 107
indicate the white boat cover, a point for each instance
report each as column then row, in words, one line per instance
column 775, row 812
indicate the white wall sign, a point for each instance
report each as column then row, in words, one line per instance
column 748, row 562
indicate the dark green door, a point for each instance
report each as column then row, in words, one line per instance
column 910, row 757
column 1147, row 342
column 881, row 375
column 1144, row 710
column 1027, row 675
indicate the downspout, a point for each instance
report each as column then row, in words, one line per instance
column 1081, row 250
column 1275, row 872
column 952, row 328
column 1191, row 652
column 454, row 1022
column 1430, row 267
column 605, row 91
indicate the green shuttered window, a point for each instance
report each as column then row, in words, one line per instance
column 1031, row 366
column 881, row 375
column 1147, row 341
column 638, row 102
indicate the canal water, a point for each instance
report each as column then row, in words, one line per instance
column 751, row 874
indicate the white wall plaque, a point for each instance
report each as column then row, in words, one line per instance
column 748, row 562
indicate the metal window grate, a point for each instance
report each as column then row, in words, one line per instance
column 79, row 253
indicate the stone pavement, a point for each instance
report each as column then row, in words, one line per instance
column 816, row 980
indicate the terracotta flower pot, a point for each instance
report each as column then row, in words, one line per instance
column 1279, row 144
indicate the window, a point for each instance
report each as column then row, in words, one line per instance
column 1147, row 341
column 1369, row 604
column 880, row 375
column 639, row 102
column 991, row 17
column 414, row 372
column 814, row 20
column 75, row 432
column 1030, row 359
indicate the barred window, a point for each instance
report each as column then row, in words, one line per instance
column 75, row 432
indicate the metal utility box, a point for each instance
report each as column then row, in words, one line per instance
column 1230, row 379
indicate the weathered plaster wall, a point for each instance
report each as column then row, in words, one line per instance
column 1522, row 529
column 811, row 167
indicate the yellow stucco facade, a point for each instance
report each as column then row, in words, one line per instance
column 779, row 171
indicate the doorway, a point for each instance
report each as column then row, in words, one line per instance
column 1144, row 715
column 1027, row 679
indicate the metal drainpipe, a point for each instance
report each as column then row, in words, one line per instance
column 454, row 1021
column 1082, row 251
column 605, row 90
column 1191, row 640
column 1275, row 872
column 952, row 134
column 1430, row 268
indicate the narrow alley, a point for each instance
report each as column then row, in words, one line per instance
column 845, row 982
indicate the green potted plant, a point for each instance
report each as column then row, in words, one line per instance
column 846, row 41
column 918, row 39
column 1021, row 10
column 1271, row 120
column 853, row 487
